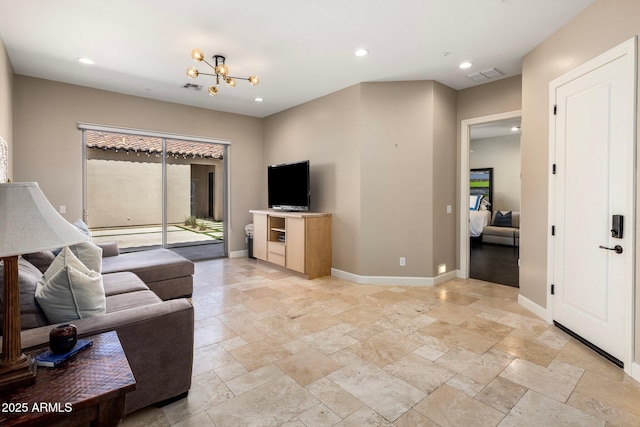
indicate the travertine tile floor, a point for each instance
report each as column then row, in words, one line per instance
column 273, row 349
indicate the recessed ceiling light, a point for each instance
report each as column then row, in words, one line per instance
column 86, row 61
column 361, row 52
column 258, row 99
column 465, row 65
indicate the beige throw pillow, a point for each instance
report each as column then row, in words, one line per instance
column 69, row 290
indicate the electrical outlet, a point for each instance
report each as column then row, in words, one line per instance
column 449, row 209
column 403, row 261
column 63, row 209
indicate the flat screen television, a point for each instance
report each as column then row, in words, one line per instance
column 288, row 186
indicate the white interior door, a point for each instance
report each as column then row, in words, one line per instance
column 594, row 180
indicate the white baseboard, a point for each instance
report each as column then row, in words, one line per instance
column 393, row 280
column 239, row 254
column 539, row 311
column 635, row 371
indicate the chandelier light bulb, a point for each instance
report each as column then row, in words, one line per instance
column 192, row 72
column 254, row 80
column 197, row 55
column 230, row 82
column 222, row 69
column 213, row 91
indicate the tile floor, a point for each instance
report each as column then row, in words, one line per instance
column 276, row 350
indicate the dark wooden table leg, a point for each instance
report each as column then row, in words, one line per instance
column 110, row 412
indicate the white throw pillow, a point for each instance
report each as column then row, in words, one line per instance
column 89, row 254
column 68, row 290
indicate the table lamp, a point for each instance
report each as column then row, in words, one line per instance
column 28, row 223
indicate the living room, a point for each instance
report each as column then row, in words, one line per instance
column 408, row 130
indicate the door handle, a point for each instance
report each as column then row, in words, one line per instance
column 617, row 248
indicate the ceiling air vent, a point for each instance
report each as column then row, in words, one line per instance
column 192, row 86
column 488, row 74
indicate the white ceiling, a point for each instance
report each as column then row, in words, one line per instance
column 493, row 129
column 300, row 49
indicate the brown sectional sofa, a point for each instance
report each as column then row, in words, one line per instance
column 156, row 334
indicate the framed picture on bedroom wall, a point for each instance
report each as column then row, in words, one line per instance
column 481, row 183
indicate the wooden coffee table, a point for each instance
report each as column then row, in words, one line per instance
column 89, row 388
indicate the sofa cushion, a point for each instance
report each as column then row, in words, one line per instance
column 68, row 290
column 498, row 231
column 150, row 266
column 122, row 283
column 129, row 300
column 31, row 315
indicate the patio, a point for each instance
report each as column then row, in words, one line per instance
column 143, row 236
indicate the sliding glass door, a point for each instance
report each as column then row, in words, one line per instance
column 146, row 190
column 195, row 202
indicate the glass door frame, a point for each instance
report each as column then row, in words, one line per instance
column 84, row 127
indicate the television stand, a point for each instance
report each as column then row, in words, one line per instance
column 298, row 241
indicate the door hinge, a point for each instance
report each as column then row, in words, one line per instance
column 553, row 230
column 555, row 110
column 553, row 289
column 553, row 169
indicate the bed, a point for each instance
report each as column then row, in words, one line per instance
column 477, row 221
column 480, row 200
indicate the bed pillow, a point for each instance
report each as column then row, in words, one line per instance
column 474, row 202
column 503, row 219
column 68, row 290
column 484, row 204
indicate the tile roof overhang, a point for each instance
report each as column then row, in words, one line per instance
column 152, row 145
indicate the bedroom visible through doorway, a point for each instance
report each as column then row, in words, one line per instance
column 490, row 187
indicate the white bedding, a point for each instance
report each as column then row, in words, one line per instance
column 477, row 221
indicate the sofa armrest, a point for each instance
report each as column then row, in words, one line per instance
column 109, row 249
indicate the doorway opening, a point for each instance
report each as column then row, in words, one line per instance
column 489, row 249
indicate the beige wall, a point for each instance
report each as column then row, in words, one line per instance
column 488, row 99
column 121, row 193
column 445, row 148
column 397, row 178
column 48, row 145
column 372, row 149
column 600, row 27
column 326, row 132
column 6, row 110
column 501, row 153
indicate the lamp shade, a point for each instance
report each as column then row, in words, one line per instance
column 28, row 222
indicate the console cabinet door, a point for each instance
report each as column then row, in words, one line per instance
column 295, row 244
column 260, row 236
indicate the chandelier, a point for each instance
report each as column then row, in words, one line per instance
column 220, row 71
